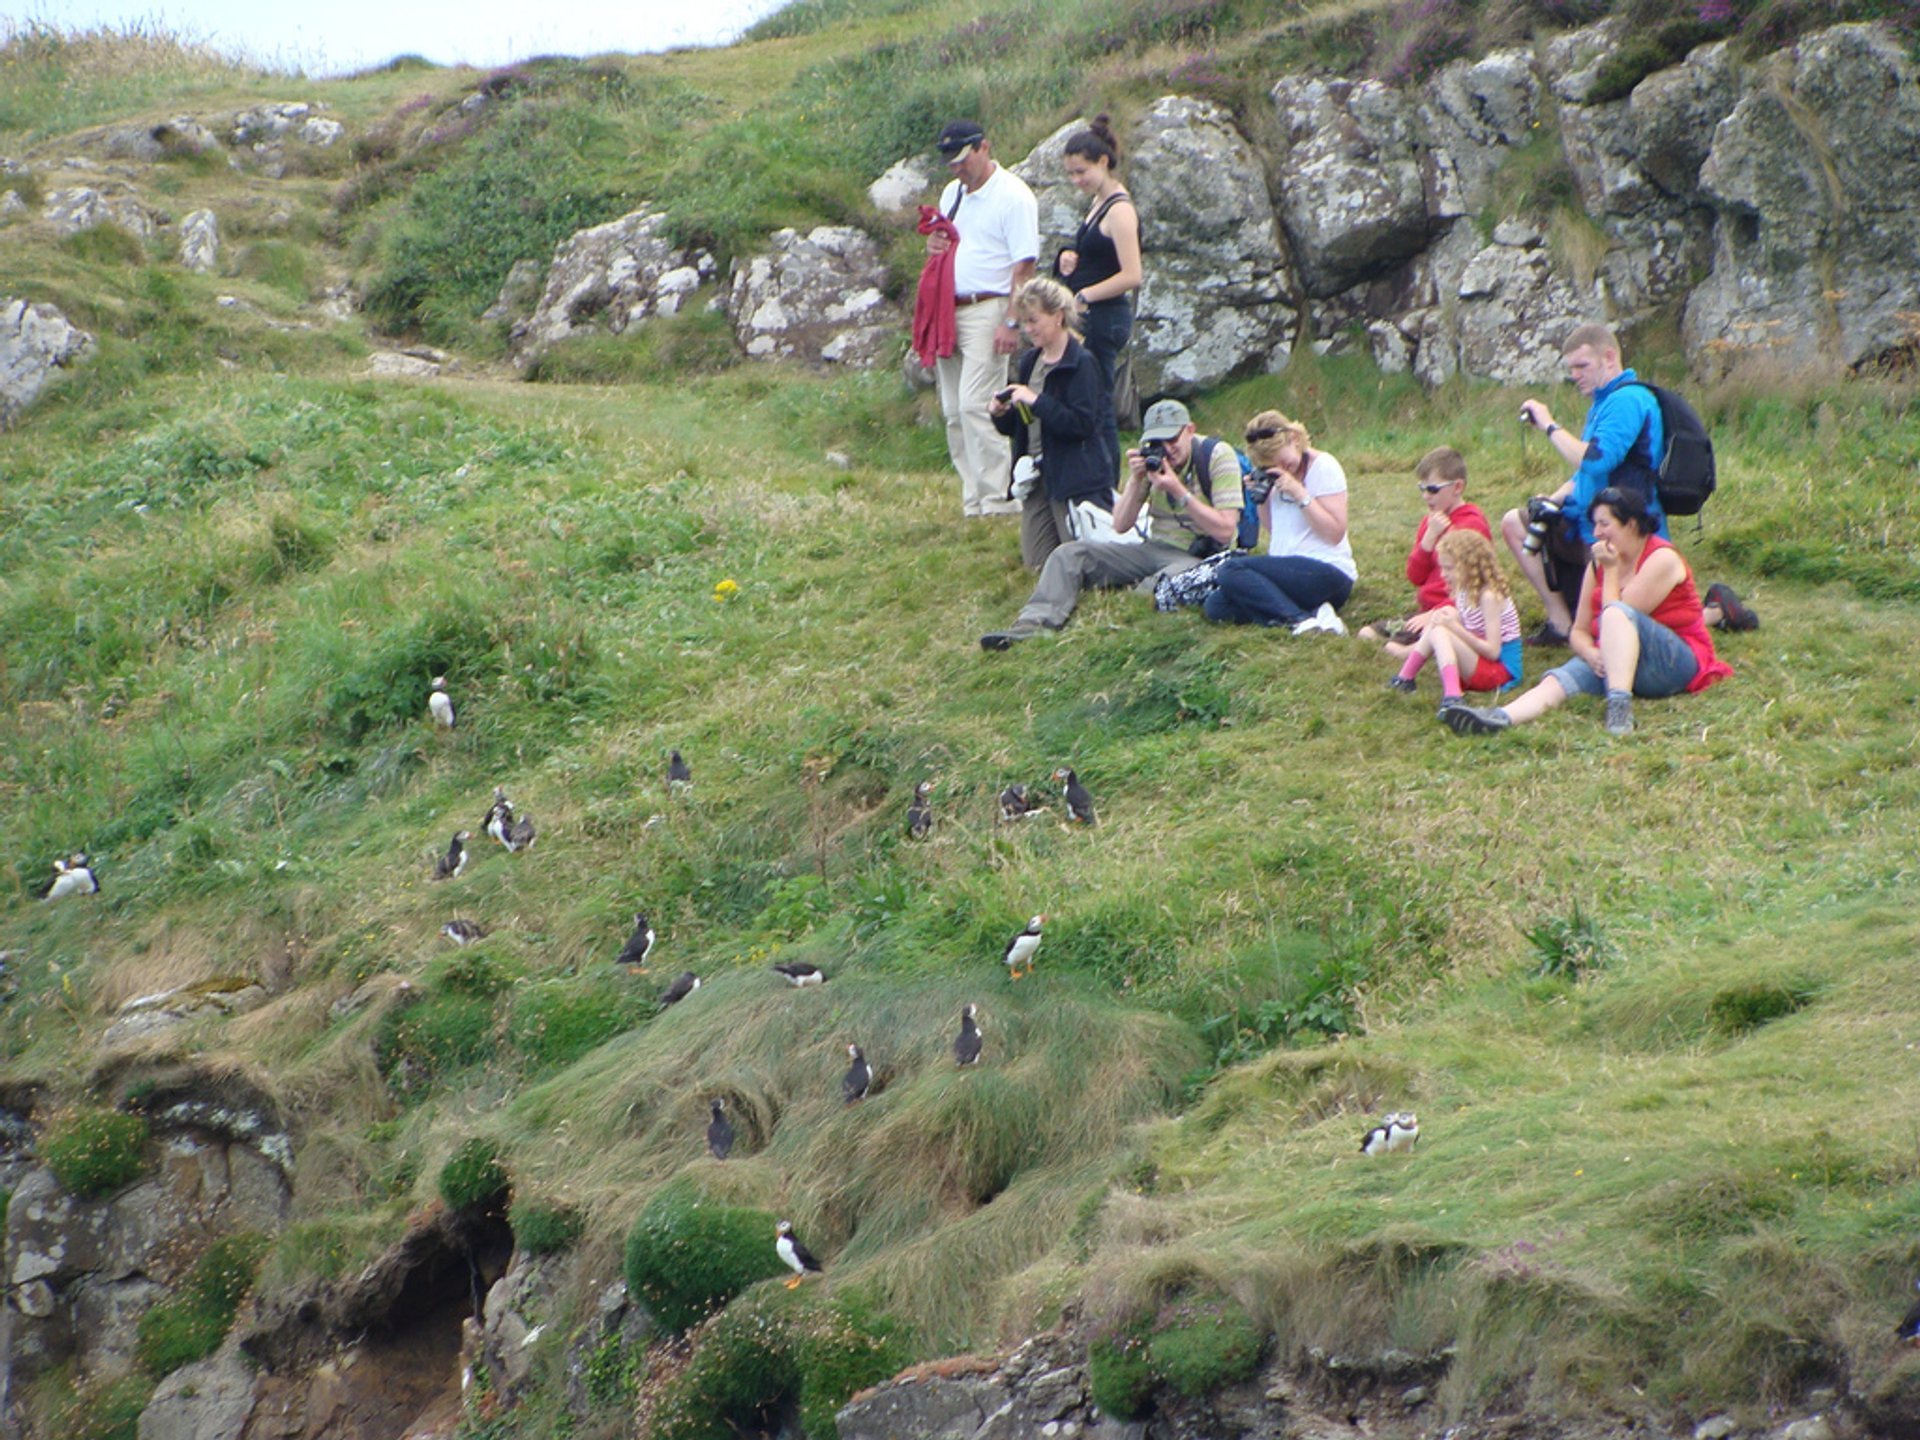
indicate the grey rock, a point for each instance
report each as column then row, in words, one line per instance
column 139, row 1026
column 200, row 241
column 11, row 205
column 516, row 1313
column 1814, row 177
column 396, row 364
column 1814, row 1427
column 1513, row 309
column 932, row 1409
column 106, row 1318
column 605, row 279
column 1716, row 1427
column 1473, row 112
column 1571, row 62
column 902, row 186
column 1674, row 112
column 270, row 122
column 82, row 207
column 816, row 297
column 211, row 1399
column 1214, row 303
column 321, row 132
column 518, row 292
column 1352, row 192
column 181, row 136
column 1061, row 206
column 35, row 340
column 1604, row 153
column 1414, row 1396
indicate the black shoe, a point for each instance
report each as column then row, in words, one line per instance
column 1466, row 720
column 1546, row 636
column 1401, row 683
column 1006, row 639
column 1733, row 614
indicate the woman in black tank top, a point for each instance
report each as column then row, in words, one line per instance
column 1102, row 266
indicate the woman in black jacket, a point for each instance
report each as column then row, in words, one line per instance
column 1059, row 415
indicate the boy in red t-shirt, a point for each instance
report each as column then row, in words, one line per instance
column 1442, row 478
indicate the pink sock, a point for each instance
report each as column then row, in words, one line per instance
column 1450, row 681
column 1410, row 667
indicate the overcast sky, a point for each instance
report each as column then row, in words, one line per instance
column 334, row 36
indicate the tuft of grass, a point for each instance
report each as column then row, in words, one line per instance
column 190, row 1324
column 474, row 1176
column 686, row 1257
column 1743, row 1008
column 544, row 1227
column 1570, row 946
column 95, row 1152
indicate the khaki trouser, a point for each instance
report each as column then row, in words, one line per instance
column 968, row 379
column 1081, row 564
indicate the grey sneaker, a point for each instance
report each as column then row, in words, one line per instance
column 1402, row 684
column 1466, row 720
column 1619, row 714
column 1006, row 639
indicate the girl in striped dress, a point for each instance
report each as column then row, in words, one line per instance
column 1475, row 642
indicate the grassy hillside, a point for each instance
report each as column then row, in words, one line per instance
column 1650, row 998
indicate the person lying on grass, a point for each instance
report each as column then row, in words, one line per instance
column 1645, row 634
column 1475, row 640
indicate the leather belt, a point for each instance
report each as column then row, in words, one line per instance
column 977, row 296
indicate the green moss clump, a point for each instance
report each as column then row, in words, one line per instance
column 686, row 1257
column 474, row 1176
column 544, row 1227
column 1119, row 1374
column 190, row 1325
column 95, row 1152
column 1201, row 1343
column 554, row 1024
column 103, row 1409
column 419, row 1045
column 1748, row 1007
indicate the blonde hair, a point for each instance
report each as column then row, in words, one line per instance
column 1045, row 295
column 1443, row 462
column 1476, row 569
column 1265, row 451
column 1600, row 337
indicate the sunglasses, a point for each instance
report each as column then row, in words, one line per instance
column 1266, row 433
column 1433, row 489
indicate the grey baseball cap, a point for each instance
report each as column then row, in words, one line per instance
column 1164, row 420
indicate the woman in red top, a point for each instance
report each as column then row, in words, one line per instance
column 1645, row 636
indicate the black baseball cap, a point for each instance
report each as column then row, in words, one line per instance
column 958, row 135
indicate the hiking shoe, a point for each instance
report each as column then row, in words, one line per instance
column 1449, row 702
column 1466, row 720
column 1619, row 715
column 1546, row 636
column 1005, row 639
column 1330, row 620
column 1733, row 614
column 1403, row 684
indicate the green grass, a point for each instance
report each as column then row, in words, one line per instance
column 1647, row 998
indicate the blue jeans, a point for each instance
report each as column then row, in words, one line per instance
column 1106, row 327
column 1666, row 666
column 1275, row 590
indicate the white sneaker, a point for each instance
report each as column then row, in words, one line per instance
column 1308, row 626
column 1330, row 621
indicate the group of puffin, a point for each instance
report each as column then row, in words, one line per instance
column 72, row 875
column 1016, row 803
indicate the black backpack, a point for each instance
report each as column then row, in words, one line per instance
column 1683, row 473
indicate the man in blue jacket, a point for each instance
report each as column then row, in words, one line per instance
column 1618, row 445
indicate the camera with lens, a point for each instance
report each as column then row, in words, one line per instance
column 1003, row 396
column 1542, row 511
column 1153, row 454
column 1259, row 485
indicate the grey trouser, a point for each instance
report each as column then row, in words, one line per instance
column 1082, row 563
column 1043, row 528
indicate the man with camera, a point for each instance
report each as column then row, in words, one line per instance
column 998, row 221
column 1552, row 536
column 1190, row 515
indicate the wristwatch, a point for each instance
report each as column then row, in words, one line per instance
column 1552, row 426
column 1011, row 323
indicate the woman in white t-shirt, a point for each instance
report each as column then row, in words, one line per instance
column 1307, row 573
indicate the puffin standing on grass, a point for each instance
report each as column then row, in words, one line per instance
column 799, row 974
column 446, row 866
column 1396, row 1132
column 499, row 815
column 858, row 1079
column 684, row 984
column 1079, row 802
column 463, row 932
column 920, row 812
column 72, row 876
column 679, row 774
column 796, row 1255
column 1022, row 948
column 966, row 1045
column 1014, row 804
column 439, row 703
column 719, row 1131
column 639, row 946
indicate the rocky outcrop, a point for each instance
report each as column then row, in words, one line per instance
column 816, row 297
column 209, row 1400
column 151, row 1014
column 518, row 294
column 903, row 186
column 200, row 242
column 180, row 137
column 608, row 277
column 82, row 207
column 35, row 340
column 1815, row 174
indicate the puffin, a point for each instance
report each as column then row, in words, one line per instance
column 796, row 1255
column 1014, row 804
column 1022, row 948
column 719, row 1131
column 1397, row 1131
column 858, row 1079
column 517, row 833
column 499, row 815
column 679, row 774
column 684, row 984
column 446, row 866
column 966, row 1045
column 463, row 932
column 799, row 974
column 1079, row 802
column 439, row 703
column 639, row 945
column 1909, row 1328
column 72, row 876
column 920, row 812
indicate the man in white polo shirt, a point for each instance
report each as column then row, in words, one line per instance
column 999, row 224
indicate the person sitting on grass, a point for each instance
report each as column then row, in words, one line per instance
column 1475, row 640
column 1646, row 634
column 1308, row 572
column 1441, row 477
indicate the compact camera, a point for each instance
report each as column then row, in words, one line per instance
column 1541, row 513
column 1153, row 454
column 1003, row 396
